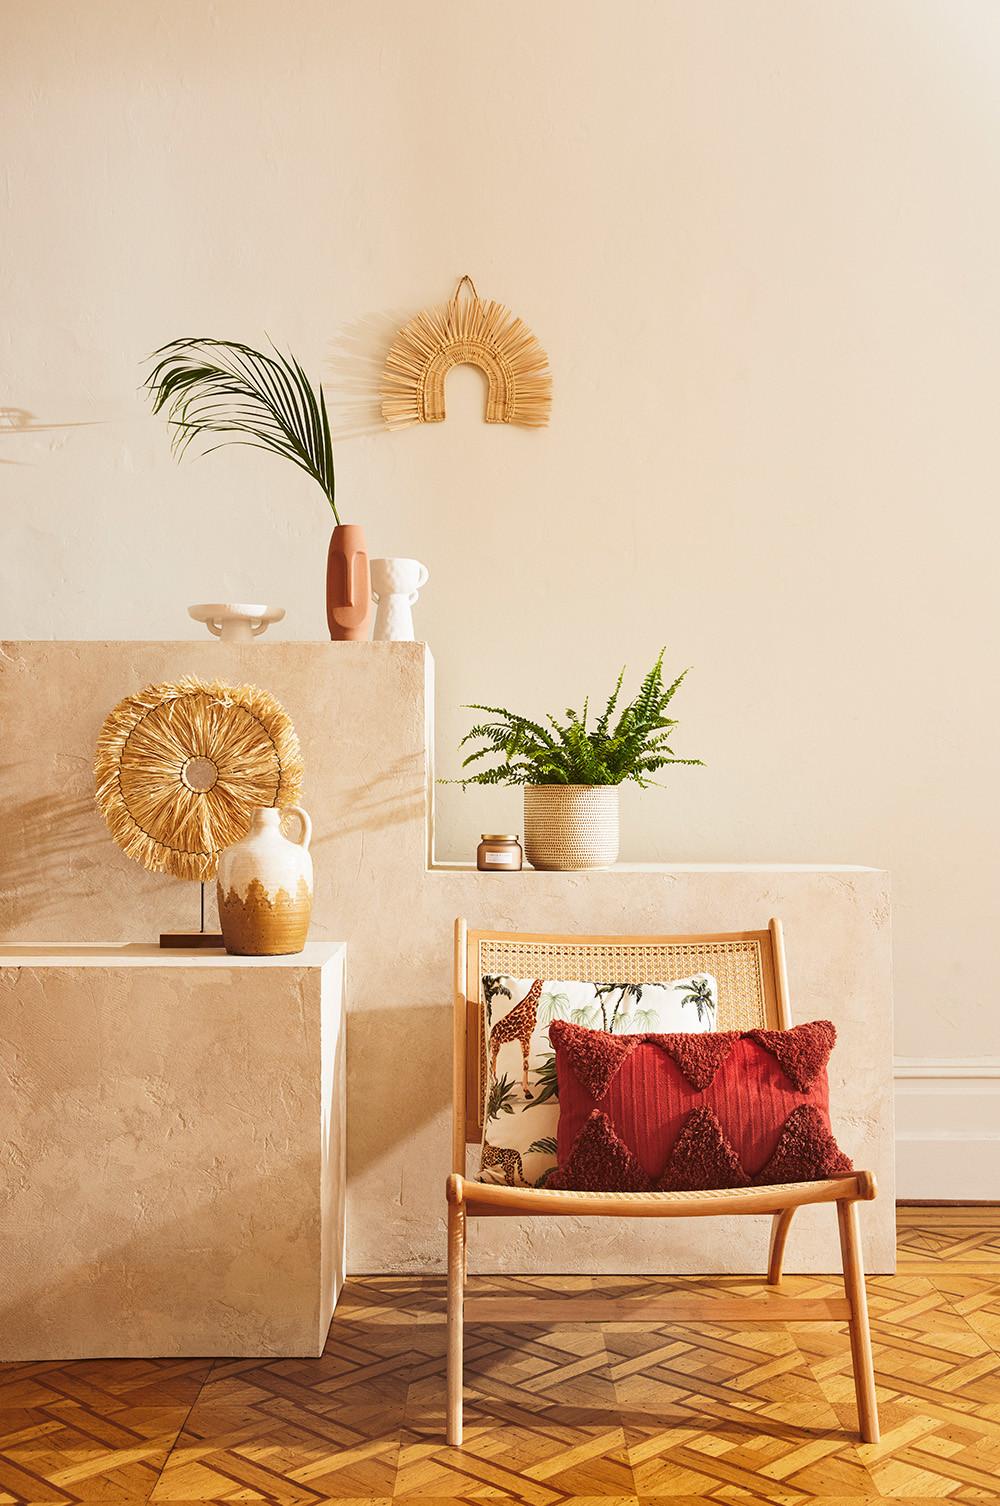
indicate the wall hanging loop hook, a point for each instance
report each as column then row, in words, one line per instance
column 458, row 290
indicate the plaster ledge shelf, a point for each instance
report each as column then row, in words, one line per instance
column 148, row 954
column 667, row 868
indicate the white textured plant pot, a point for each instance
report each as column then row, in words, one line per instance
column 571, row 825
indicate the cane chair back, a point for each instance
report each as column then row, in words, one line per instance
column 749, row 967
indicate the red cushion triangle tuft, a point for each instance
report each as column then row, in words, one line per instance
column 801, row 1052
column 698, row 1056
column 594, row 1055
column 806, row 1151
column 702, row 1157
column 600, row 1162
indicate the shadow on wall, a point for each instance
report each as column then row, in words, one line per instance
column 65, row 827
column 356, row 361
column 64, row 833
column 394, row 796
column 399, row 1082
column 22, row 421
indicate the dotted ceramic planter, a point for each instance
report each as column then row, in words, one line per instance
column 571, row 825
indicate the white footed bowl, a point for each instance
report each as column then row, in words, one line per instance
column 235, row 621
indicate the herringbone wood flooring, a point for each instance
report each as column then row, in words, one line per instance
column 578, row 1414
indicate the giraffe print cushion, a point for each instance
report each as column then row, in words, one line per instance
column 522, row 1095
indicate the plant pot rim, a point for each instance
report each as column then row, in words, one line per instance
column 608, row 787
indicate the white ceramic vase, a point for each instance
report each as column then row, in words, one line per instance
column 396, row 584
column 265, row 887
column 571, row 825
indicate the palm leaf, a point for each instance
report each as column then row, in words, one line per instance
column 221, row 387
column 546, row 1082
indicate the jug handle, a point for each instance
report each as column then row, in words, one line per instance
column 306, row 835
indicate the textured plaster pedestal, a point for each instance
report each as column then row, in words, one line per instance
column 363, row 712
column 172, row 1131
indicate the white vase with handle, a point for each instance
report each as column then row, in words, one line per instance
column 265, row 887
column 396, row 584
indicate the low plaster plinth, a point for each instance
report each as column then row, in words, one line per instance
column 172, row 1131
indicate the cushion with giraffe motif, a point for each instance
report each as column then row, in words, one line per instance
column 521, row 1111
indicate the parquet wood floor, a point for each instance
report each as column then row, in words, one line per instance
column 573, row 1416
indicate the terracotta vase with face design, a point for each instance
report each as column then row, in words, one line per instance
column 348, row 584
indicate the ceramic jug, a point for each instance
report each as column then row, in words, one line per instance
column 348, row 588
column 265, row 887
column 396, row 584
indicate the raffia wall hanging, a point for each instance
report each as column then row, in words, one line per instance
column 467, row 332
column 180, row 767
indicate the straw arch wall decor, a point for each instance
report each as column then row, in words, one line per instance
column 472, row 332
column 180, row 768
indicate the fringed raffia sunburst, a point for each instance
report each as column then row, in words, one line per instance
column 180, row 767
column 470, row 332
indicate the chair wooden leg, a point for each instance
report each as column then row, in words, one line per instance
column 861, row 1339
column 456, row 1299
column 780, row 1225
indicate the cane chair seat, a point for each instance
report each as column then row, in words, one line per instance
column 485, row 1198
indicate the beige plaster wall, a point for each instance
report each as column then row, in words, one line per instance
column 360, row 713
column 759, row 243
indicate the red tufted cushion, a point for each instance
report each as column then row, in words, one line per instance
column 686, row 1113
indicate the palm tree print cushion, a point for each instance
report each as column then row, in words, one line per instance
column 522, row 1094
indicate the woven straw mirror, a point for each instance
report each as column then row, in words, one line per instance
column 467, row 331
column 180, row 768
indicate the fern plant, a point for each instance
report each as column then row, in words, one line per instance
column 635, row 744
column 221, row 387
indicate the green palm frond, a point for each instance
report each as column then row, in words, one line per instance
column 499, row 1101
column 546, row 1084
column 221, row 387
column 567, row 751
column 698, row 991
column 552, row 1006
column 493, row 988
column 587, row 1016
column 639, row 1022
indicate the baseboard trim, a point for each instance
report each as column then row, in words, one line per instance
column 947, row 1129
column 947, row 1202
column 945, row 1068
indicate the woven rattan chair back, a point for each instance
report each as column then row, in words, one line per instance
column 749, row 967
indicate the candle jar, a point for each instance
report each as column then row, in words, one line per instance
column 498, row 853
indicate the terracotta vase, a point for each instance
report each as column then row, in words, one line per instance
column 265, row 887
column 348, row 584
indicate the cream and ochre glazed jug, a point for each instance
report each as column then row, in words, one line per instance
column 265, row 887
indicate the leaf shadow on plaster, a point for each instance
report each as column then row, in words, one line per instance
column 22, row 421
column 37, row 837
column 356, row 361
column 393, row 796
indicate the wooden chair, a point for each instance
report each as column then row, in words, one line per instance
column 753, row 992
